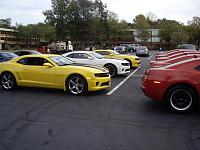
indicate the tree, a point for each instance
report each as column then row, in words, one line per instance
column 39, row 32
column 75, row 19
column 193, row 30
column 57, row 16
column 152, row 20
column 142, row 27
column 170, row 30
column 5, row 23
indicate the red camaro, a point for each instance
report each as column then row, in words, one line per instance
column 176, row 55
column 172, row 52
column 173, row 60
column 178, row 84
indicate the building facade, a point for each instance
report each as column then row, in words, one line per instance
column 154, row 35
column 7, row 38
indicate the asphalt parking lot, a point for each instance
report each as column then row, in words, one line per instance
column 120, row 118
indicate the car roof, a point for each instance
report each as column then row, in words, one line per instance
column 106, row 50
column 25, row 50
column 88, row 52
column 177, row 63
column 34, row 55
column 6, row 53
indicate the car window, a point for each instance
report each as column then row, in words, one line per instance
column 24, row 53
column 72, row 55
column 17, row 53
column 103, row 53
column 79, row 56
column 32, row 61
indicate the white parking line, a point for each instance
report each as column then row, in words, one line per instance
column 137, row 75
column 121, row 83
column 150, row 57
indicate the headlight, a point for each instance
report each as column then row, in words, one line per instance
column 101, row 75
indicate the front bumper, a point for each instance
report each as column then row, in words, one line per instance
column 136, row 63
column 98, row 83
column 123, row 70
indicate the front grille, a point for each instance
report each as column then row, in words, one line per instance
column 127, row 70
column 101, row 74
column 105, row 83
column 125, row 64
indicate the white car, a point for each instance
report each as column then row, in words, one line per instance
column 115, row 66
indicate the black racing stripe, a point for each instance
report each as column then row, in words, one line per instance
column 90, row 66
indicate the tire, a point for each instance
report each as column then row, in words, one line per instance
column 181, row 99
column 112, row 69
column 8, row 81
column 76, row 85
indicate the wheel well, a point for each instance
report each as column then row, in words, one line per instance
column 76, row 74
column 129, row 61
column 181, row 84
column 6, row 72
column 112, row 65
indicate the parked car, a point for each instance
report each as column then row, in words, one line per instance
column 6, row 56
column 174, row 52
column 132, row 59
column 142, row 51
column 188, row 46
column 115, row 66
column 60, row 52
column 177, row 84
column 52, row 71
column 120, row 49
column 176, row 55
column 173, row 60
column 26, row 52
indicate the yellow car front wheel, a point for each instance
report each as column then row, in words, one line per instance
column 112, row 69
column 8, row 81
column 76, row 85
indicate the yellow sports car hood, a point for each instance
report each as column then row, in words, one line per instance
column 94, row 67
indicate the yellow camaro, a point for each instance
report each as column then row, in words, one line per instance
column 132, row 59
column 52, row 71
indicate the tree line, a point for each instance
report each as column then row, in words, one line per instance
column 86, row 21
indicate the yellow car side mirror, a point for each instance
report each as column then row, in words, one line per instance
column 47, row 65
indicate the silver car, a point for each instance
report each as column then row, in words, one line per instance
column 142, row 51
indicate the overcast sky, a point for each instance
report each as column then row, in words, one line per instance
column 30, row 11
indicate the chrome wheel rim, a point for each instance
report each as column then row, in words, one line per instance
column 76, row 85
column 7, row 81
column 181, row 100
